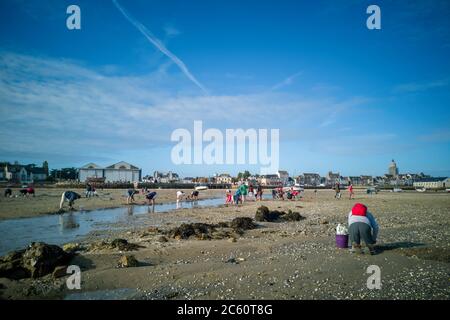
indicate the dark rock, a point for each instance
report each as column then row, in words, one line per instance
column 264, row 214
column 11, row 266
column 292, row 216
column 59, row 272
column 185, row 231
column 124, row 245
column 38, row 260
column 242, row 223
column 223, row 225
column 41, row 258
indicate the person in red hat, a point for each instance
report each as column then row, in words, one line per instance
column 362, row 225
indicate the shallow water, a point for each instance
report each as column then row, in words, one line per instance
column 73, row 226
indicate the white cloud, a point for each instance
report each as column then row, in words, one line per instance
column 288, row 81
column 60, row 107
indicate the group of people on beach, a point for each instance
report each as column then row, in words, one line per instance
column 243, row 193
column 25, row 192
column 337, row 189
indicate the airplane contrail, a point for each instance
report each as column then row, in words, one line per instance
column 158, row 44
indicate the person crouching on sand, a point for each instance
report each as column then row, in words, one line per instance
column 69, row 196
column 194, row 195
column 130, row 197
column 150, row 196
column 362, row 224
column 180, row 196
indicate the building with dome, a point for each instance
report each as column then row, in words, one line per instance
column 393, row 169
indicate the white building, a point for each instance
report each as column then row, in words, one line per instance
column 118, row 172
column 283, row 176
column 433, row 183
column 224, row 178
column 270, row 180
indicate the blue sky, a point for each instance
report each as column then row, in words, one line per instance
column 345, row 98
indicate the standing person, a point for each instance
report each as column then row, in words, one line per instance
column 88, row 190
column 362, row 224
column 259, row 192
column 350, row 191
column 237, row 196
column 251, row 191
column 150, row 196
column 274, row 194
column 130, row 197
column 337, row 189
column 69, row 196
column 244, row 191
column 281, row 193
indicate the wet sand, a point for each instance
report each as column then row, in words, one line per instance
column 277, row 260
column 47, row 201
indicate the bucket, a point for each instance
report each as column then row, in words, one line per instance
column 342, row 241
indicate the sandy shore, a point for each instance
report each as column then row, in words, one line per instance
column 277, row 260
column 47, row 201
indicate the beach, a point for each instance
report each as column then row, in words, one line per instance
column 47, row 201
column 275, row 260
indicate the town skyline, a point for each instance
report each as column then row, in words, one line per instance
column 343, row 97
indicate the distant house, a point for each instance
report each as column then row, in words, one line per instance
column 433, row 183
column 270, row 180
column 2, row 171
column 311, row 179
column 332, row 178
column 283, row 176
column 118, row 172
column 22, row 173
column 355, row 180
column 187, row 180
column 165, row 177
column 224, row 178
column 37, row 174
column 366, row 180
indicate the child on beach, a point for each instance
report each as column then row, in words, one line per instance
column 362, row 224
column 350, row 191
column 228, row 197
